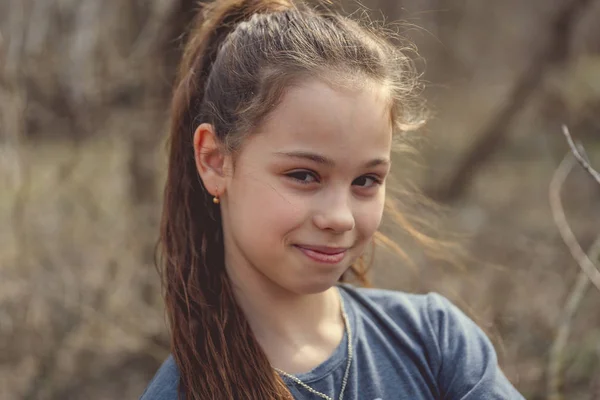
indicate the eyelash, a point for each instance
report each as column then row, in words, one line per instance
column 377, row 180
column 293, row 175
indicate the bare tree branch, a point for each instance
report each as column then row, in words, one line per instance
column 576, row 295
column 579, row 154
column 554, row 51
column 588, row 273
column 560, row 219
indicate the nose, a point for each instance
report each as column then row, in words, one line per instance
column 334, row 213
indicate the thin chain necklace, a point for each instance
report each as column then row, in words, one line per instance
column 348, row 363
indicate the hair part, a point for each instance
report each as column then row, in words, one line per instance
column 241, row 57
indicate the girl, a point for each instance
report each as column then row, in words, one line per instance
column 281, row 135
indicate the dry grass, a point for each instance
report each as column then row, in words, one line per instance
column 74, row 283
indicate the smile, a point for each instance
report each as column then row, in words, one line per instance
column 325, row 255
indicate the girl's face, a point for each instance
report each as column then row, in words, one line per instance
column 307, row 192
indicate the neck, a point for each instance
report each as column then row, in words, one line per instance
column 296, row 331
column 273, row 311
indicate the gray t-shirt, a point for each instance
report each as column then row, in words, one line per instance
column 406, row 347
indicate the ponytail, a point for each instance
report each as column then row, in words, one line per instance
column 212, row 343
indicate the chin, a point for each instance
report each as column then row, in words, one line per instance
column 314, row 287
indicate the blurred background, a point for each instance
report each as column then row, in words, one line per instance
column 84, row 92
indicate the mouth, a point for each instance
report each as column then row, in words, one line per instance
column 323, row 254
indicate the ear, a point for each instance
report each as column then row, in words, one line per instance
column 210, row 159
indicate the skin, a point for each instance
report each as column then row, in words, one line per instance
column 312, row 175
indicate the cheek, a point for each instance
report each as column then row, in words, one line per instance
column 368, row 218
column 260, row 207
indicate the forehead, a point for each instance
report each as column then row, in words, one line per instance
column 332, row 120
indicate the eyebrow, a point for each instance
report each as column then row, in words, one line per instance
column 319, row 159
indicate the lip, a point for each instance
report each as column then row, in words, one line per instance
column 323, row 254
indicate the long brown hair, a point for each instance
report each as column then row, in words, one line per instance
column 240, row 57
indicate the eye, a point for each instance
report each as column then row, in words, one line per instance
column 367, row 181
column 303, row 176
